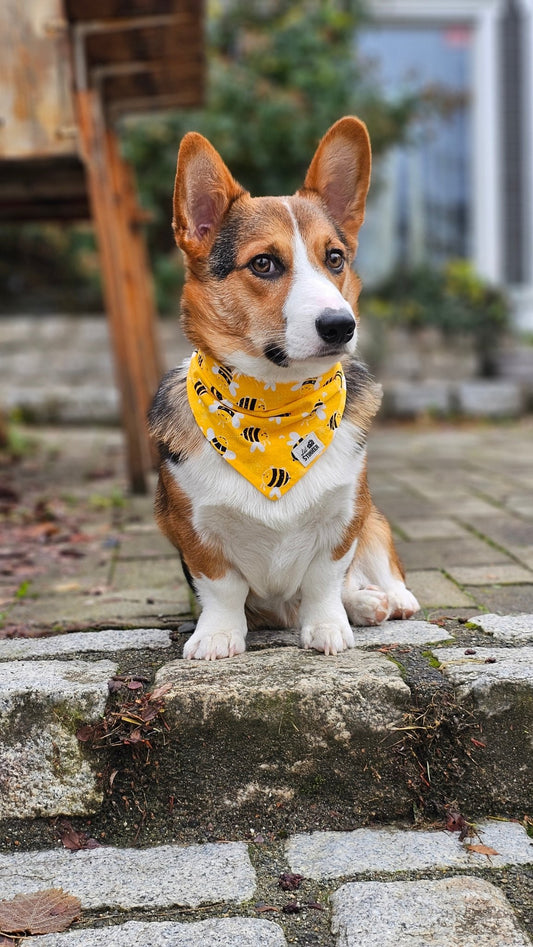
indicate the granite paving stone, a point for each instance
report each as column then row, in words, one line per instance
column 434, row 590
column 451, row 912
column 430, row 528
column 42, row 769
column 333, row 693
column 442, row 553
column 505, row 598
column 409, row 632
column 523, row 553
column 327, row 855
column 162, row 876
column 216, row 932
column 507, row 627
column 488, row 668
column 84, row 643
column 500, row 574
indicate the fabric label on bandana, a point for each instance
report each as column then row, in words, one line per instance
column 271, row 433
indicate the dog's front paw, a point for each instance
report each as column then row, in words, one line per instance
column 368, row 606
column 402, row 603
column 331, row 639
column 210, row 647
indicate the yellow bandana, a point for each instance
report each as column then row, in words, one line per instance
column 270, row 432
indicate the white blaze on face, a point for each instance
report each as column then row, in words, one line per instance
column 311, row 292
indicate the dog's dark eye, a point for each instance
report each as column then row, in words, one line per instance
column 264, row 265
column 335, row 260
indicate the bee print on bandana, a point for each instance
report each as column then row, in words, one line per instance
column 273, row 479
column 200, row 388
column 338, row 376
column 251, row 404
column 334, row 420
column 227, row 375
column 308, row 383
column 224, row 407
column 220, row 444
column 256, row 438
column 320, row 410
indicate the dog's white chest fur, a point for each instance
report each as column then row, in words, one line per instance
column 272, row 542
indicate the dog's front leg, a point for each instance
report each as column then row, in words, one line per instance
column 221, row 628
column 324, row 623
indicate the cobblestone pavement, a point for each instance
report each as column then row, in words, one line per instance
column 280, row 763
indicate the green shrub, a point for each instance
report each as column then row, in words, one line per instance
column 453, row 299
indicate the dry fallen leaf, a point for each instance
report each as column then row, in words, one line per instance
column 481, row 849
column 39, row 912
column 74, row 840
column 289, row 881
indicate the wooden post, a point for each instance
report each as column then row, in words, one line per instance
column 126, row 280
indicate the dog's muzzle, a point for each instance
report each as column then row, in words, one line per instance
column 335, row 326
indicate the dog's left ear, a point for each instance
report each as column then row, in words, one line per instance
column 340, row 173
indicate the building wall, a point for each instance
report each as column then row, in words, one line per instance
column 482, row 153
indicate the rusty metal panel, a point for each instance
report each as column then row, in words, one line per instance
column 36, row 109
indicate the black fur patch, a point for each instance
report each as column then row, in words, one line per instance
column 176, row 457
column 224, row 252
column 187, row 574
column 163, row 406
column 358, row 380
column 276, row 354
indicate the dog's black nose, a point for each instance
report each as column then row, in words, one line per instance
column 335, row 326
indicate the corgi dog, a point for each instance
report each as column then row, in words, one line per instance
column 262, row 433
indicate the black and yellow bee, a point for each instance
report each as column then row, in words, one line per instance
column 225, row 409
column 225, row 373
column 220, row 444
column 255, row 437
column 319, row 410
column 216, row 393
column 200, row 388
column 335, row 420
column 200, row 358
column 276, row 477
column 251, row 404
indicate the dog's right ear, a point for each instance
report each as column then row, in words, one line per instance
column 203, row 191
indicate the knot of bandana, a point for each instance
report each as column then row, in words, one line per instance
column 270, row 432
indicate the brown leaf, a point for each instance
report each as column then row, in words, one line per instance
column 292, row 907
column 39, row 912
column 159, row 692
column 456, row 822
column 290, row 882
column 74, row 840
column 482, row 849
column 86, row 733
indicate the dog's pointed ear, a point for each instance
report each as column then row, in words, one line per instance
column 203, row 191
column 340, row 173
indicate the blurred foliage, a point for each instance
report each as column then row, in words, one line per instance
column 49, row 267
column 453, row 299
column 280, row 72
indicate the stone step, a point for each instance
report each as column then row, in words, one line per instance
column 367, row 899
column 219, row 932
column 122, row 879
column 409, row 715
column 463, row 912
